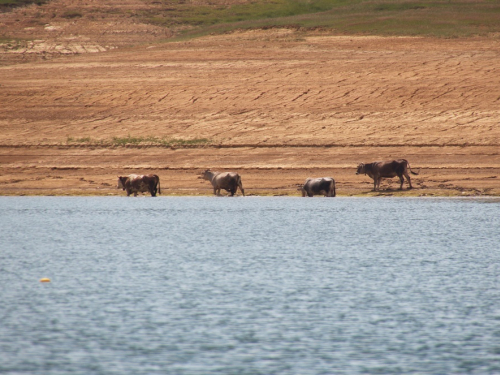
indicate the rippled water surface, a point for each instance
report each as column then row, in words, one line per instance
column 253, row 285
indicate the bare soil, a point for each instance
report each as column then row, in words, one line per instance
column 276, row 105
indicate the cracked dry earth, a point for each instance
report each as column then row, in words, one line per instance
column 277, row 106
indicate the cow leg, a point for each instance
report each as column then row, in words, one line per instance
column 153, row 189
column 232, row 188
column 241, row 188
column 375, row 184
column 402, row 180
column 408, row 179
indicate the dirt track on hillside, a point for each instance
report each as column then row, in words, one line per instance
column 277, row 106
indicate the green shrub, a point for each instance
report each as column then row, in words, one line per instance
column 5, row 5
column 71, row 14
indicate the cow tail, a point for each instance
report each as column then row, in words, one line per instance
column 241, row 186
column 334, row 188
column 415, row 173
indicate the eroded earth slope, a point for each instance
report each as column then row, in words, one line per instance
column 276, row 105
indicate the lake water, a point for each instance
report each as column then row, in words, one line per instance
column 249, row 285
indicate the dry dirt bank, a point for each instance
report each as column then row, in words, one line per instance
column 276, row 105
column 265, row 171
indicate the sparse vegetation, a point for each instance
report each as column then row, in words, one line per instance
column 443, row 18
column 388, row 17
column 9, row 4
column 78, row 140
column 136, row 141
column 118, row 141
column 183, row 13
column 71, row 14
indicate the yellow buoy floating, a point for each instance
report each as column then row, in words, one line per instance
column 45, row 280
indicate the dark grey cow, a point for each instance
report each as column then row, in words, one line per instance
column 319, row 186
column 229, row 181
column 387, row 169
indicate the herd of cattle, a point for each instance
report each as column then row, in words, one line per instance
column 231, row 181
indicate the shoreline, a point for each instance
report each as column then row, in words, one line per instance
column 413, row 193
column 444, row 171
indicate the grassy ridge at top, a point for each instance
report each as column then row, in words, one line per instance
column 443, row 18
column 8, row 4
column 381, row 17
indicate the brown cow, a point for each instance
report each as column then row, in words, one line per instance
column 229, row 181
column 139, row 184
column 387, row 169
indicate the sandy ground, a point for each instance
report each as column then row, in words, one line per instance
column 277, row 106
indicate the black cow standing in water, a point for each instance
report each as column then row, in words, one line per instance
column 319, row 186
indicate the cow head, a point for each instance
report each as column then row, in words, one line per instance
column 361, row 169
column 205, row 175
column 121, row 182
